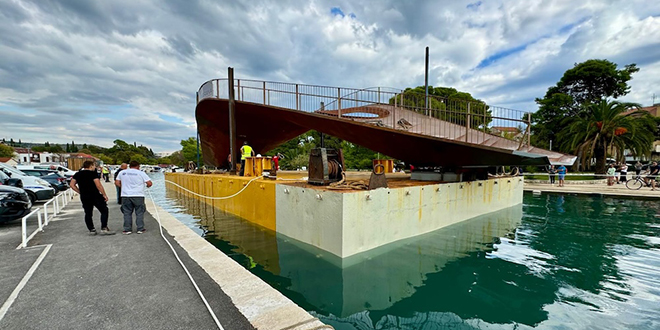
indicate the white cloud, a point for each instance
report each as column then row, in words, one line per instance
column 91, row 63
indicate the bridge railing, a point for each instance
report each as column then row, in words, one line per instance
column 462, row 120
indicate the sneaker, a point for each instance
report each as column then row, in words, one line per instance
column 141, row 231
column 126, row 232
column 92, row 232
column 107, row 231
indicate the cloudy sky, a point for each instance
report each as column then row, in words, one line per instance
column 95, row 71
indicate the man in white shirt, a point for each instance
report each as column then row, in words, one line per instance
column 132, row 182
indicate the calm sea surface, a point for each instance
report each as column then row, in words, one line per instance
column 554, row 262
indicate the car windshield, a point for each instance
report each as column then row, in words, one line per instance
column 12, row 170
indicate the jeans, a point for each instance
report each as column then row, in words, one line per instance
column 88, row 205
column 242, row 171
column 552, row 179
column 128, row 204
column 118, row 194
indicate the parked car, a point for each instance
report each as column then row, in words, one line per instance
column 14, row 203
column 8, row 181
column 56, row 180
column 38, row 189
column 60, row 169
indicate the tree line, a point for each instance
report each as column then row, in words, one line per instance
column 581, row 116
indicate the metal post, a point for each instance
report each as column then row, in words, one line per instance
column 426, row 82
column 297, row 98
column 24, row 232
column 467, row 122
column 529, row 129
column 197, row 147
column 322, row 140
column 550, row 145
column 378, row 95
column 232, row 121
column 238, row 88
column 264, row 93
column 217, row 88
column 396, row 100
column 339, row 102
column 41, row 226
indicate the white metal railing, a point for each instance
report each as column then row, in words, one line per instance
column 468, row 121
column 43, row 216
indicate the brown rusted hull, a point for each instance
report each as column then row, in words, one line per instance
column 266, row 127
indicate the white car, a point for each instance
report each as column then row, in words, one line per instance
column 37, row 189
column 61, row 169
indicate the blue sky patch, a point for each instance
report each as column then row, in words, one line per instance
column 337, row 11
column 507, row 52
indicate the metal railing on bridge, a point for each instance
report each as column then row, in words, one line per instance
column 455, row 119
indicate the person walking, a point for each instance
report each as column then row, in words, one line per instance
column 562, row 174
column 87, row 183
column 624, row 173
column 122, row 167
column 106, row 173
column 638, row 168
column 246, row 151
column 611, row 172
column 654, row 170
column 132, row 182
column 552, row 172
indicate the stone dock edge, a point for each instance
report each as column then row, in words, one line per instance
column 263, row 306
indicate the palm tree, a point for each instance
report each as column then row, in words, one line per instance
column 608, row 126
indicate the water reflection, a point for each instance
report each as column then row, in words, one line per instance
column 556, row 262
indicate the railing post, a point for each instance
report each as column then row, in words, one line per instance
column 238, row 88
column 217, row 88
column 378, row 95
column 46, row 214
column 24, row 232
column 297, row 98
column 41, row 227
column 396, row 100
column 264, row 93
column 339, row 102
column 467, row 122
column 57, row 207
column 529, row 129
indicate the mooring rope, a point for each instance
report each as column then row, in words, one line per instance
column 213, row 198
column 201, row 295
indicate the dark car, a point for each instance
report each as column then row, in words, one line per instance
column 14, row 203
column 56, row 180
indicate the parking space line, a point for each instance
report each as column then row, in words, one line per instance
column 12, row 297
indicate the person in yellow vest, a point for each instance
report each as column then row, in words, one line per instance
column 246, row 151
column 106, row 173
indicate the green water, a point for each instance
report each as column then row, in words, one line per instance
column 554, row 262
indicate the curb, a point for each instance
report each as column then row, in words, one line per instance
column 263, row 306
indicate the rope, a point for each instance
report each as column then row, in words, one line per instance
column 201, row 295
column 214, row 198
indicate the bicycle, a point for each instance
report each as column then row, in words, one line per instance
column 636, row 183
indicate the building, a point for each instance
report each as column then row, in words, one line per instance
column 9, row 161
column 27, row 156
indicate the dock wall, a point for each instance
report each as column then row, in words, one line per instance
column 348, row 223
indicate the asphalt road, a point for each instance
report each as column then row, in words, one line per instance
column 106, row 282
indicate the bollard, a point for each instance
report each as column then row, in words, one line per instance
column 24, row 231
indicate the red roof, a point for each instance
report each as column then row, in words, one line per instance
column 4, row 159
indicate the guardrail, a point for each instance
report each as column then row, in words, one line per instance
column 43, row 216
column 462, row 120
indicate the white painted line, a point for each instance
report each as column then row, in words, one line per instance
column 21, row 284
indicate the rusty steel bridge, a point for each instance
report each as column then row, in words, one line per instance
column 396, row 123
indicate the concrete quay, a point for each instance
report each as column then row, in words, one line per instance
column 619, row 190
column 132, row 281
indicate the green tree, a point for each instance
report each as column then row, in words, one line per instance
column 586, row 83
column 73, row 147
column 139, row 158
column 447, row 104
column 608, row 126
column 189, row 149
column 178, row 159
column 104, row 158
column 6, row 151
